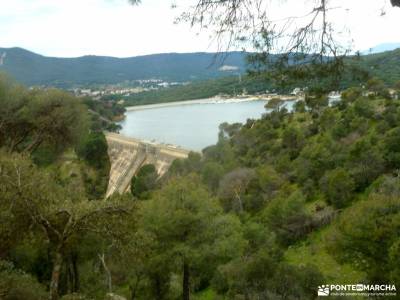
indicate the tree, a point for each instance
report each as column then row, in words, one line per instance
column 94, row 150
column 262, row 273
column 375, row 85
column 351, row 94
column 15, row 284
column 397, row 85
column 54, row 212
column 300, row 106
column 338, row 187
column 387, row 185
column 310, row 47
column 185, row 166
column 391, row 147
column 191, row 226
column 316, row 102
column 367, row 237
column 395, row 2
column 212, row 173
column 287, row 217
column 95, row 169
column 269, row 181
column 314, row 160
column 365, row 163
column 242, row 18
column 292, row 141
column 31, row 119
column 144, row 181
column 232, row 188
column 58, row 118
column 274, row 104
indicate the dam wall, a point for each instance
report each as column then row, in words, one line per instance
column 128, row 155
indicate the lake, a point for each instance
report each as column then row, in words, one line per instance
column 190, row 126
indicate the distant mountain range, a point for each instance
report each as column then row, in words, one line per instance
column 382, row 48
column 33, row 69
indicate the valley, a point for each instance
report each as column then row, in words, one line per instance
column 211, row 150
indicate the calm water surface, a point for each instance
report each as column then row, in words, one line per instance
column 191, row 126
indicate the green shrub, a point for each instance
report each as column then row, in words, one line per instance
column 338, row 187
column 17, row 285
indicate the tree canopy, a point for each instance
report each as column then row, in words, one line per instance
column 307, row 46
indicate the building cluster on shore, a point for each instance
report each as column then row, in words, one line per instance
column 125, row 89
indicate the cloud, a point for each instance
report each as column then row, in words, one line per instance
column 113, row 27
column 102, row 27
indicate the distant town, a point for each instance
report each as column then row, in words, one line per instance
column 124, row 89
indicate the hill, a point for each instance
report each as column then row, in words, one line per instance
column 278, row 208
column 382, row 48
column 33, row 69
column 231, row 85
column 385, row 66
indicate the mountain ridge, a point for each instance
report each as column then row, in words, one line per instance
column 111, row 56
column 31, row 68
column 384, row 47
column 34, row 69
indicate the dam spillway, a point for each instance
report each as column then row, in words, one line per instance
column 128, row 155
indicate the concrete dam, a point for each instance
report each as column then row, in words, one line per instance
column 128, row 155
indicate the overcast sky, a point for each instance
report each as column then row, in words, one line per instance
column 70, row 28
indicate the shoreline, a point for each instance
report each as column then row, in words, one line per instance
column 213, row 100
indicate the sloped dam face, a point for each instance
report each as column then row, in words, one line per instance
column 127, row 155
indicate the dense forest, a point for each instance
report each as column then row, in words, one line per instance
column 385, row 65
column 277, row 207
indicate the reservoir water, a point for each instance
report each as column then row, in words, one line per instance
column 190, row 126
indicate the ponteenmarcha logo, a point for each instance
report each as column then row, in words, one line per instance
column 323, row 290
column 357, row 289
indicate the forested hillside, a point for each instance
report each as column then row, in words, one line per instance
column 276, row 208
column 34, row 69
column 198, row 90
column 385, row 66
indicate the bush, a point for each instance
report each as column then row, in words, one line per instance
column 144, row 182
column 17, row 285
column 74, row 296
column 392, row 148
column 94, row 150
column 338, row 187
column 367, row 236
column 288, row 218
column 352, row 94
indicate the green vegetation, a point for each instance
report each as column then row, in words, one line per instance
column 385, row 66
column 93, row 151
column 48, row 120
column 46, row 187
column 16, row 284
column 33, row 69
column 23, row 65
column 104, row 114
column 144, row 182
column 370, row 241
column 196, row 90
column 277, row 207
